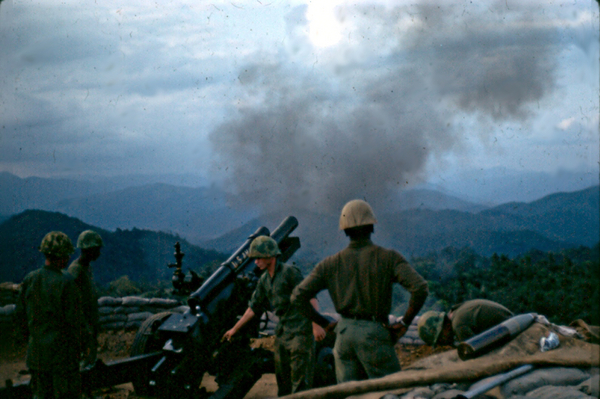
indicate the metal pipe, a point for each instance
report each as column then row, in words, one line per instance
column 500, row 379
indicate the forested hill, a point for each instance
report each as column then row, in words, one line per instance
column 142, row 255
column 562, row 285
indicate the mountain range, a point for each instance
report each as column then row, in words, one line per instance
column 555, row 222
column 142, row 255
column 420, row 221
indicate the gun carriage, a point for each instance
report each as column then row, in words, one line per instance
column 171, row 352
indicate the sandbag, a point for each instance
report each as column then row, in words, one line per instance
column 559, row 376
column 163, row 303
column 419, row 393
column 135, row 301
column 138, row 316
column 556, row 392
column 127, row 309
column 111, row 318
column 106, row 310
column 450, row 394
column 109, row 301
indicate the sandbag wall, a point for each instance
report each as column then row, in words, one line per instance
column 114, row 313
column 130, row 312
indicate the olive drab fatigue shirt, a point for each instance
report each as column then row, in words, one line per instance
column 476, row 316
column 277, row 291
column 87, row 292
column 48, row 313
column 360, row 280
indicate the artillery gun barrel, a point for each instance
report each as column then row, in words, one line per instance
column 223, row 276
column 203, row 299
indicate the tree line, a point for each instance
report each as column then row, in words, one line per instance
column 562, row 286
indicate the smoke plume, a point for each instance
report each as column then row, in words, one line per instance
column 365, row 118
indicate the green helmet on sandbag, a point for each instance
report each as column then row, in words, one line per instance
column 430, row 326
column 89, row 239
column 57, row 244
column 356, row 213
column 264, row 247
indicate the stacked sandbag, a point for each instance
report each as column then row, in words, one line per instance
column 542, row 383
column 412, row 335
column 130, row 312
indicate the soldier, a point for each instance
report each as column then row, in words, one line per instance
column 359, row 280
column 462, row 322
column 294, row 344
column 48, row 314
column 90, row 244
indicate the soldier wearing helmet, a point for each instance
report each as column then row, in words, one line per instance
column 48, row 315
column 359, row 280
column 90, row 244
column 294, row 343
column 462, row 322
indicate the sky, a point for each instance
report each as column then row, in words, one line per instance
column 303, row 102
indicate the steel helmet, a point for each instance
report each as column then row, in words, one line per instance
column 430, row 326
column 57, row 244
column 89, row 239
column 264, row 247
column 356, row 213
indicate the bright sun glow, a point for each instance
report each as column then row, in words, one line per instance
column 324, row 30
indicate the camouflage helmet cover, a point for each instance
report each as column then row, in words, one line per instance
column 89, row 239
column 264, row 247
column 430, row 326
column 356, row 213
column 57, row 244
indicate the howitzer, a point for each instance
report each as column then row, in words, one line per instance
column 171, row 352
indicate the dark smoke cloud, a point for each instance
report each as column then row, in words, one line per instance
column 306, row 139
column 489, row 70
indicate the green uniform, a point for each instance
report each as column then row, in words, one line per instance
column 49, row 314
column 89, row 303
column 473, row 317
column 359, row 280
column 294, row 343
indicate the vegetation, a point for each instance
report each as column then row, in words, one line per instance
column 123, row 287
column 562, row 286
column 143, row 255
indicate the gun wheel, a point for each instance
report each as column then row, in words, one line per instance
column 147, row 341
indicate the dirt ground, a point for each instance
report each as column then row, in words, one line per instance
column 116, row 345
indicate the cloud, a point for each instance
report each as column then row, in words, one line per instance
column 112, row 89
column 566, row 123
